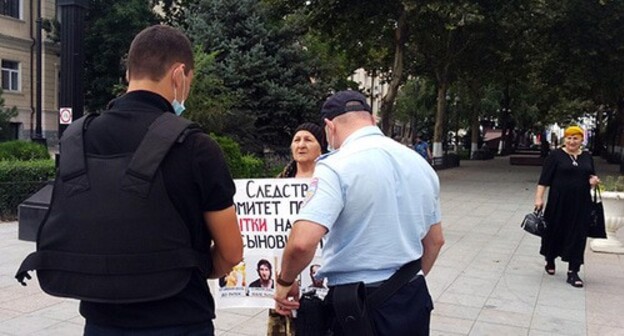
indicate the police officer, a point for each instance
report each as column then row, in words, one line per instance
column 377, row 205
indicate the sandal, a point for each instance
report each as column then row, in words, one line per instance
column 550, row 267
column 574, row 280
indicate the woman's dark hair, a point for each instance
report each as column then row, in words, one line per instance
column 265, row 262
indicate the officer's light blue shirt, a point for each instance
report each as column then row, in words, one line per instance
column 377, row 199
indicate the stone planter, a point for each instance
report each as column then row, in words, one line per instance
column 613, row 203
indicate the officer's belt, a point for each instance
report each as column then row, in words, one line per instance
column 377, row 284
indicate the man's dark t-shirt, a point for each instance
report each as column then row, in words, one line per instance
column 197, row 180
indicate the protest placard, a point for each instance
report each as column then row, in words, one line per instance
column 265, row 209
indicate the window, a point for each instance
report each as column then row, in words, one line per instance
column 10, row 75
column 10, row 8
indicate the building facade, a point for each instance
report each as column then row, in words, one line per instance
column 18, row 54
column 371, row 85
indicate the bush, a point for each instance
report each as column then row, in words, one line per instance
column 612, row 183
column 464, row 154
column 23, row 151
column 20, row 179
column 483, row 154
column 253, row 166
column 241, row 166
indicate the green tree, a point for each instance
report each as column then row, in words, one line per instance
column 374, row 35
column 584, row 63
column 5, row 118
column 209, row 101
column 110, row 27
column 262, row 63
column 415, row 104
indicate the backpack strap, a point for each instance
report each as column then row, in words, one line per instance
column 111, row 264
column 166, row 130
column 72, row 163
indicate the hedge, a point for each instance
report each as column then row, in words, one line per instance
column 19, row 180
column 23, row 151
column 241, row 166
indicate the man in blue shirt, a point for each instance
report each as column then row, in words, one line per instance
column 422, row 147
column 377, row 205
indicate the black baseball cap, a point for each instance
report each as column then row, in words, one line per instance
column 342, row 102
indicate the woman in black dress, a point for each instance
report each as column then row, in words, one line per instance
column 570, row 174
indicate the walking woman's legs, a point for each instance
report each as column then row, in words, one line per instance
column 573, row 277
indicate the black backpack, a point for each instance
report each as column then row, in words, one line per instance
column 111, row 234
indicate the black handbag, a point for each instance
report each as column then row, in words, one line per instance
column 534, row 223
column 597, row 217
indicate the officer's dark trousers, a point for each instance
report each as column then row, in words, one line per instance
column 203, row 329
column 406, row 313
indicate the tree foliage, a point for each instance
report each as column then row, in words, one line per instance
column 110, row 27
column 415, row 104
column 209, row 100
column 262, row 65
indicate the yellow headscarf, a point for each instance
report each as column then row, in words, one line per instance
column 573, row 130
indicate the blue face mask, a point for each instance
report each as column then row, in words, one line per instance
column 330, row 148
column 178, row 107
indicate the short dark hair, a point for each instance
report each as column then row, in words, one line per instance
column 264, row 262
column 155, row 49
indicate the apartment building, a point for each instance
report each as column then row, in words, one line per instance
column 18, row 23
column 371, row 85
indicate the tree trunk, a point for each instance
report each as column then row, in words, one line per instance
column 474, row 136
column 438, row 129
column 597, row 145
column 387, row 103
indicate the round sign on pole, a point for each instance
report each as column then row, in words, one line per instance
column 65, row 115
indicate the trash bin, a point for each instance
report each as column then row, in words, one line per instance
column 32, row 211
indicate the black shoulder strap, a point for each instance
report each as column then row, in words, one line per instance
column 161, row 135
column 72, row 163
column 399, row 279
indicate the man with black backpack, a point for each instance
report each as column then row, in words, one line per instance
column 142, row 210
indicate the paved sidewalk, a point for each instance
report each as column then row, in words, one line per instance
column 489, row 278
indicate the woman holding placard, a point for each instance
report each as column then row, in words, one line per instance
column 307, row 144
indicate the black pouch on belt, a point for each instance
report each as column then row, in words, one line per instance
column 351, row 305
column 351, row 309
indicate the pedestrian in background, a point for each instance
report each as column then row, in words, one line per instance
column 569, row 172
column 422, row 147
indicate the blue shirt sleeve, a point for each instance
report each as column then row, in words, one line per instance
column 324, row 201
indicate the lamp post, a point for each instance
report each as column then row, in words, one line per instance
column 32, row 211
column 502, row 144
column 38, row 134
column 71, row 97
